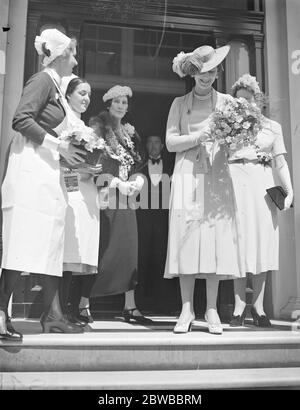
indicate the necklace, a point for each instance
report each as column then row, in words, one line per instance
column 203, row 98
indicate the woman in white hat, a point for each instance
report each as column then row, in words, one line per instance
column 202, row 229
column 252, row 174
column 119, row 237
column 33, row 192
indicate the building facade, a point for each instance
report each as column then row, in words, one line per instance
column 133, row 42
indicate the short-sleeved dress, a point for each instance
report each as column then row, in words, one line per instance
column 256, row 213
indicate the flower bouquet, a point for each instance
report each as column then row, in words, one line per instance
column 237, row 124
column 85, row 138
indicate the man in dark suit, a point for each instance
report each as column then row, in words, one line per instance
column 154, row 292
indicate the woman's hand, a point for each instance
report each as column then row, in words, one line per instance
column 126, row 187
column 137, row 184
column 91, row 170
column 284, row 174
column 103, row 198
column 205, row 132
column 288, row 201
column 71, row 153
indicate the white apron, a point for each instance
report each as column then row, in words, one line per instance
column 82, row 229
column 34, row 202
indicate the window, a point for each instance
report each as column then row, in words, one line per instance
column 139, row 57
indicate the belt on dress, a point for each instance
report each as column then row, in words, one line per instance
column 246, row 161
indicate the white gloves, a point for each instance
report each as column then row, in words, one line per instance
column 127, row 187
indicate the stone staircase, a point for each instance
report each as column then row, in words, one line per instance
column 116, row 355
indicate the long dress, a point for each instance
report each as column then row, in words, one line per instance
column 34, row 198
column 203, row 230
column 258, row 216
column 82, row 223
column 118, row 249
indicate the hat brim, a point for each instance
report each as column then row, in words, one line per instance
column 217, row 59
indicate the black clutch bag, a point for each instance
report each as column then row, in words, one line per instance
column 277, row 194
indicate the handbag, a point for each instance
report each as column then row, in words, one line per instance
column 278, row 195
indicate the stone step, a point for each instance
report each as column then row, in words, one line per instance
column 118, row 346
column 263, row 378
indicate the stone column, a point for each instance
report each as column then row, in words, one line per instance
column 282, row 39
column 13, row 78
column 4, row 9
column 13, row 14
column 258, row 48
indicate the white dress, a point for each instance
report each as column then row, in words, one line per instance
column 82, row 231
column 202, row 226
column 256, row 212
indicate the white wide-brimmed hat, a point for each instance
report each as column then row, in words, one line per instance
column 54, row 42
column 199, row 61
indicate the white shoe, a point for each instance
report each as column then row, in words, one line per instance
column 184, row 327
column 214, row 328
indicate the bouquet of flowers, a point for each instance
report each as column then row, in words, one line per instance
column 119, row 154
column 237, row 124
column 86, row 139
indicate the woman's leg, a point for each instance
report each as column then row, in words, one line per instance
column 8, row 281
column 51, row 302
column 211, row 314
column 64, row 291
column 212, row 287
column 130, row 300
column 259, row 284
column 187, row 286
column 52, row 319
column 239, row 296
column 75, row 294
column 87, row 283
column 131, row 312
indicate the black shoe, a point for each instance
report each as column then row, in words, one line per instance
column 260, row 321
column 238, row 320
column 128, row 315
column 10, row 334
column 76, row 320
column 86, row 317
column 51, row 324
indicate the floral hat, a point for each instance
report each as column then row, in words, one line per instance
column 51, row 43
column 248, row 82
column 117, row 91
column 199, row 61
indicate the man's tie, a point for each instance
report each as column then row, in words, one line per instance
column 155, row 161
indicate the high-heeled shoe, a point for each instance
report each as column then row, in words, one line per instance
column 10, row 334
column 86, row 317
column 214, row 328
column 238, row 320
column 128, row 316
column 184, row 327
column 260, row 320
column 76, row 320
column 51, row 324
